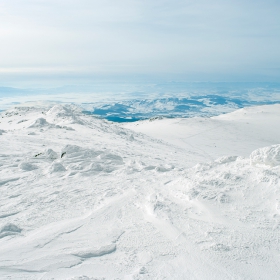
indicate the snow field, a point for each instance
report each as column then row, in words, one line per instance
column 82, row 198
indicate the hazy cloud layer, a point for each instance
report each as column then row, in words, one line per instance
column 196, row 40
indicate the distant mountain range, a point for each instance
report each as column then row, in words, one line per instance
column 202, row 106
column 128, row 102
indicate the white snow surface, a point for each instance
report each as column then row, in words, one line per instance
column 84, row 198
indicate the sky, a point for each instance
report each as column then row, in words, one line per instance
column 201, row 40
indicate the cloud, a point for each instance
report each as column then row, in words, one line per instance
column 190, row 38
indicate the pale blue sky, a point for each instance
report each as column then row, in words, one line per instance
column 189, row 40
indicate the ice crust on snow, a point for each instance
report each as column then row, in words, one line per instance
column 168, row 199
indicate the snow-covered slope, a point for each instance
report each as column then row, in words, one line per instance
column 82, row 198
column 236, row 133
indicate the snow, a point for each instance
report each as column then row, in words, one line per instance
column 84, row 198
column 267, row 155
column 236, row 133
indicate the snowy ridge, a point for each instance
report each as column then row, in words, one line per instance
column 83, row 198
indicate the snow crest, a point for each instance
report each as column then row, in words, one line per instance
column 267, row 155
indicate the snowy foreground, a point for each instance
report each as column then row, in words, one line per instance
column 83, row 198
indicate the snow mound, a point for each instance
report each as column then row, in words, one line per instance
column 267, row 155
column 164, row 168
column 47, row 154
column 74, row 151
column 226, row 159
column 40, row 122
column 51, row 154
column 56, row 167
column 26, row 166
column 65, row 113
column 90, row 161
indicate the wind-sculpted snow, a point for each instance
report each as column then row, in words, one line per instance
column 89, row 161
column 65, row 113
column 41, row 122
column 197, row 199
column 268, row 155
column 97, row 252
column 9, row 229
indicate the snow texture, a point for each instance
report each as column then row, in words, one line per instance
column 84, row 198
column 267, row 155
